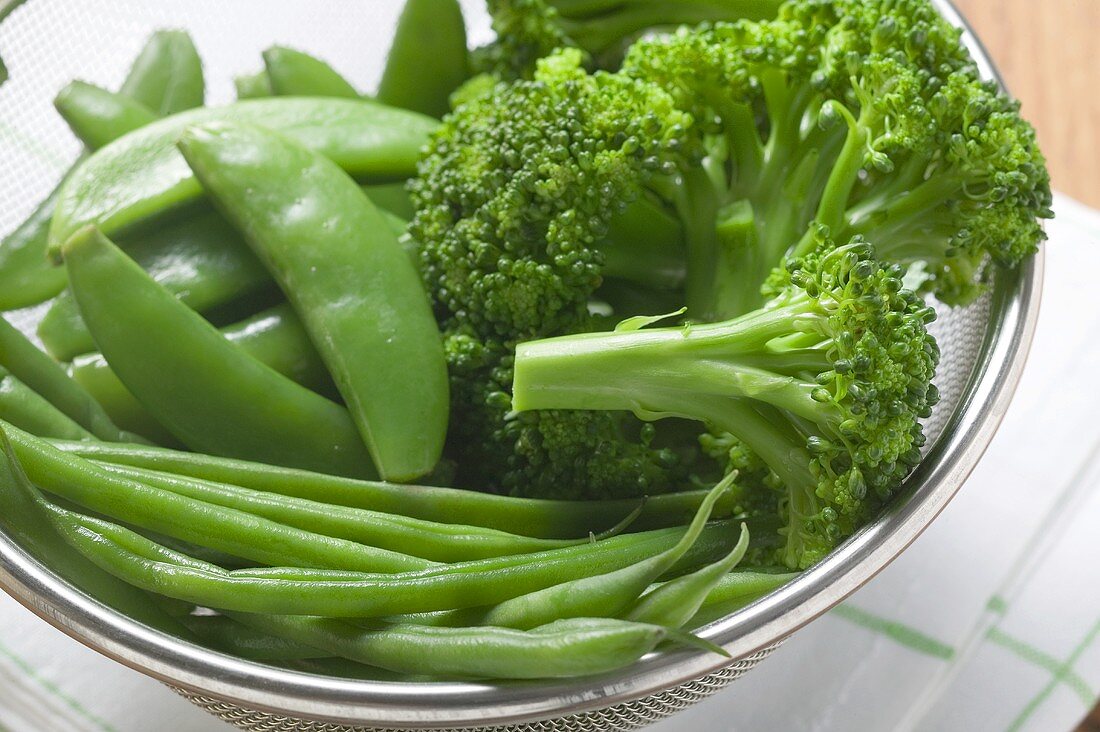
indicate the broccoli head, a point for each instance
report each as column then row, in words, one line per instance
column 515, row 205
column 516, row 194
column 860, row 116
column 826, row 385
column 529, row 30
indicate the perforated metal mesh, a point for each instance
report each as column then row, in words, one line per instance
column 619, row 718
column 47, row 43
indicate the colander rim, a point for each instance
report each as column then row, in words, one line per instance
column 1013, row 314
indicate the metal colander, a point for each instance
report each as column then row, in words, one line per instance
column 46, row 43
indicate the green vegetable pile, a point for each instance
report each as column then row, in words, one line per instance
column 558, row 348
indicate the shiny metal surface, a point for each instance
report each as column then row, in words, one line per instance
column 985, row 347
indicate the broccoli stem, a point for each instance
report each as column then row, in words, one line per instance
column 738, row 245
column 693, row 373
column 645, row 245
column 906, row 204
column 697, row 205
column 845, row 172
column 666, row 372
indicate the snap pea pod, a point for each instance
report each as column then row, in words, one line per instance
column 253, row 86
column 22, row 406
column 97, row 116
column 202, row 388
column 428, row 59
column 431, row 540
column 164, row 80
column 292, row 73
column 674, row 603
column 540, row 518
column 93, row 373
column 357, row 292
column 167, row 75
column 195, row 255
column 46, row 377
column 143, row 174
column 274, row 337
column 22, row 518
column 217, row 527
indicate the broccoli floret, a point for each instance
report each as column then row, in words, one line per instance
column 826, row 384
column 517, row 191
column 528, row 30
column 844, row 117
column 550, row 206
column 515, row 205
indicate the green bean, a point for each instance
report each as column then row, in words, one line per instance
column 225, row 529
column 431, row 540
column 42, row 374
column 296, row 74
column 242, row 641
column 97, row 116
column 335, row 593
column 674, row 603
column 206, row 391
column 26, row 275
column 22, row 519
column 358, row 294
column 331, row 593
column 526, row 516
column 22, row 406
column 167, row 75
column 253, row 86
column 143, row 174
column 604, row 595
column 202, row 553
column 344, row 669
column 563, row 649
column 195, row 255
column 735, row 591
column 428, row 59
column 566, row 648
column 274, row 337
column 392, row 197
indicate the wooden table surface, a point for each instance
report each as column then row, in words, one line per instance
column 1047, row 52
